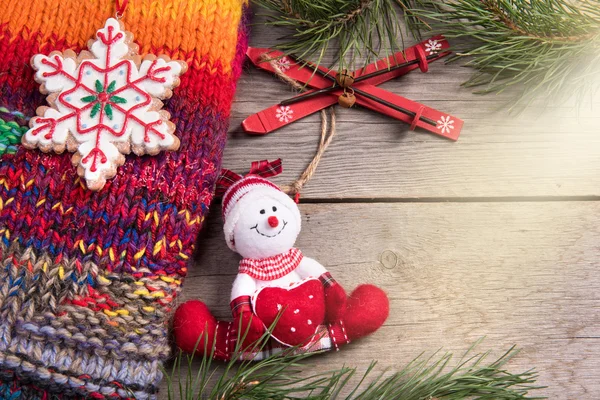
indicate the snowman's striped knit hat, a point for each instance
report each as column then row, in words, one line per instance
column 242, row 191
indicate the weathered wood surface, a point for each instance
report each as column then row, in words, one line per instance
column 518, row 273
column 552, row 152
column 486, row 241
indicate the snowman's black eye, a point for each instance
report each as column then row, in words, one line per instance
column 274, row 208
column 262, row 211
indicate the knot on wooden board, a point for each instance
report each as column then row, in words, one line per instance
column 389, row 259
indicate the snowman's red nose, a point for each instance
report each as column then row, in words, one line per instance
column 273, row 221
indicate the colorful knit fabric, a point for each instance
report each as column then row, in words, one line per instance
column 88, row 279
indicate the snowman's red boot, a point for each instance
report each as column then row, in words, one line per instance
column 367, row 308
column 195, row 328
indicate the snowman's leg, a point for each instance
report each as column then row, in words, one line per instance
column 366, row 310
column 225, row 341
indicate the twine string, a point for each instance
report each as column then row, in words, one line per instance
column 326, row 134
column 120, row 6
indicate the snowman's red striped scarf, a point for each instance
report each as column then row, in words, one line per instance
column 271, row 268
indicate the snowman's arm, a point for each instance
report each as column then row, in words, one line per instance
column 310, row 268
column 243, row 285
column 251, row 327
column 335, row 295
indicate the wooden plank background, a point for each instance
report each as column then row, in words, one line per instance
column 496, row 235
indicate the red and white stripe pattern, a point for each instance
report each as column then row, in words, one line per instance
column 327, row 280
column 240, row 188
column 240, row 304
column 271, row 268
column 320, row 342
column 264, row 169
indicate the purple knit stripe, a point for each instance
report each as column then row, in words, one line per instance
column 123, row 227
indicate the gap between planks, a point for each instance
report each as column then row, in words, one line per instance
column 500, row 199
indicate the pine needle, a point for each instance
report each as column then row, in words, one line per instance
column 538, row 48
column 357, row 29
column 284, row 377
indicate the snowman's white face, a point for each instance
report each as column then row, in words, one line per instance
column 264, row 229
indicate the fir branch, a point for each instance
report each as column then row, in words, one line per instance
column 280, row 377
column 547, row 48
column 414, row 23
column 355, row 28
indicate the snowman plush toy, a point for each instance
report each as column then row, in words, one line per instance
column 277, row 288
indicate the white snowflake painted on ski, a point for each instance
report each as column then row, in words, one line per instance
column 283, row 63
column 284, row 113
column 433, row 46
column 445, row 124
column 104, row 103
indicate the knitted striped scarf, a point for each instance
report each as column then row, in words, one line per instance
column 88, row 279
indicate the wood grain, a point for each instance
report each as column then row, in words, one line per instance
column 518, row 273
column 551, row 151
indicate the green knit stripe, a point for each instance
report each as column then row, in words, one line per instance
column 10, row 133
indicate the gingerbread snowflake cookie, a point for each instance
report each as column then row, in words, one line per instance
column 104, row 103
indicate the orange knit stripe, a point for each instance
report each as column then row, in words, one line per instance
column 174, row 27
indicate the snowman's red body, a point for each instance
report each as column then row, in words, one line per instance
column 295, row 313
column 286, row 294
column 277, row 289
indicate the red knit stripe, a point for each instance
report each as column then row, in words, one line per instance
column 204, row 82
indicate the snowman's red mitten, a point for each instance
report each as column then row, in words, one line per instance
column 335, row 298
column 250, row 326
